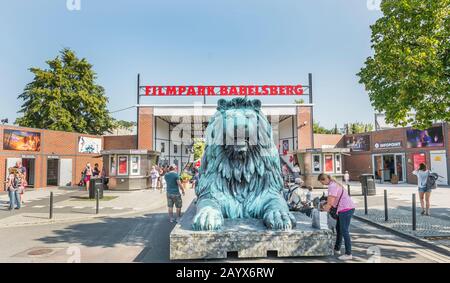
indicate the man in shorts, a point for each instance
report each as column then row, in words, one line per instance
column 174, row 186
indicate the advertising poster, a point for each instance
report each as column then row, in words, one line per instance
column 328, row 162
column 285, row 146
column 123, row 165
column 89, row 145
column 358, row 143
column 21, row 140
column 419, row 158
column 426, row 138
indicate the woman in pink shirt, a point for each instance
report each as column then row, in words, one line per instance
column 338, row 197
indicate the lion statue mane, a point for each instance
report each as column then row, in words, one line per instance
column 240, row 174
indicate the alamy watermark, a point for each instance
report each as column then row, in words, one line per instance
column 74, row 253
column 374, row 5
column 73, row 5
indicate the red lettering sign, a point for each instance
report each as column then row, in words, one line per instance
column 223, row 90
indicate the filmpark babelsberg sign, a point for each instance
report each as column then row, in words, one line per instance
column 223, row 90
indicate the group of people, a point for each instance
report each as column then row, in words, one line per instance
column 16, row 182
column 89, row 172
column 157, row 177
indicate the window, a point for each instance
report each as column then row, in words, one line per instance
column 163, row 147
column 329, row 163
column 135, row 165
column 316, row 163
column 337, row 162
column 112, row 165
column 123, row 165
column 175, row 148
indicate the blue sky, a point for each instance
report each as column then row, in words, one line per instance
column 209, row 42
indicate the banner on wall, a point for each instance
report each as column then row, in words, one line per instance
column 358, row 143
column 89, row 145
column 21, row 140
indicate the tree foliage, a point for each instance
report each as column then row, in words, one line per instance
column 65, row 97
column 199, row 148
column 409, row 72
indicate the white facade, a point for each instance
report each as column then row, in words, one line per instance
column 170, row 119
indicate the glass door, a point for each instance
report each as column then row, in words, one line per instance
column 377, row 160
column 400, row 166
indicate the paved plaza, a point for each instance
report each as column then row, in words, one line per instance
column 126, row 234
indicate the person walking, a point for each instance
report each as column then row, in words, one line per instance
column 87, row 175
column 347, row 177
column 13, row 184
column 96, row 171
column 422, row 175
column 174, row 187
column 23, row 176
column 154, row 177
column 339, row 201
column 162, row 173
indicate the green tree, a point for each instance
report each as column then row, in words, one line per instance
column 65, row 97
column 410, row 69
column 124, row 124
column 199, row 148
column 299, row 101
column 318, row 129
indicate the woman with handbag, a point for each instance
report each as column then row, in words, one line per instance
column 341, row 207
column 424, row 192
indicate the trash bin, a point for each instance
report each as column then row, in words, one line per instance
column 368, row 184
column 94, row 184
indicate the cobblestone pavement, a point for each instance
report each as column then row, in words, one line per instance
column 435, row 228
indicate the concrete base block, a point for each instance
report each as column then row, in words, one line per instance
column 249, row 238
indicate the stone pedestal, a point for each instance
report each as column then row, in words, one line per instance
column 249, row 238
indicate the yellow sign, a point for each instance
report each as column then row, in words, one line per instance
column 437, row 158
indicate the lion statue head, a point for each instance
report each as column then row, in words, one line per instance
column 240, row 175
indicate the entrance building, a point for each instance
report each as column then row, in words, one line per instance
column 51, row 158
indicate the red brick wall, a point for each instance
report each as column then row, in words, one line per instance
column 145, row 128
column 304, row 114
column 119, row 142
column 56, row 143
column 358, row 164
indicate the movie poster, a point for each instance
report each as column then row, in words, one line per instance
column 426, row 138
column 285, row 146
column 419, row 158
column 89, row 145
column 358, row 143
column 123, row 165
column 328, row 163
column 21, row 140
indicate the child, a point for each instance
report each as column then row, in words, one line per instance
column 346, row 177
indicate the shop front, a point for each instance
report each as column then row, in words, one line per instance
column 392, row 155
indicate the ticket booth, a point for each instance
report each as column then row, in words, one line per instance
column 315, row 161
column 129, row 169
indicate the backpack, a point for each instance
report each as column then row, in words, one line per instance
column 431, row 181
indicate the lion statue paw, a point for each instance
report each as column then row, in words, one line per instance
column 279, row 219
column 208, row 219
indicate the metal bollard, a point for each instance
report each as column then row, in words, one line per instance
column 97, row 196
column 386, row 216
column 51, row 206
column 414, row 212
column 365, row 202
column 348, row 190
